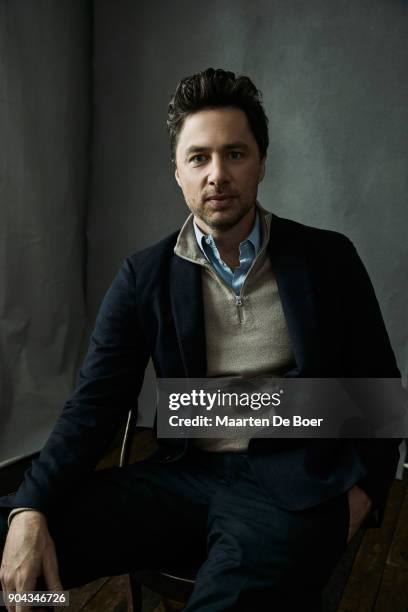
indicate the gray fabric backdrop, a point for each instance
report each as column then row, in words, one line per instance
column 334, row 79
column 44, row 125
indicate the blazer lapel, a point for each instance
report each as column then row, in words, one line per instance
column 295, row 289
column 188, row 313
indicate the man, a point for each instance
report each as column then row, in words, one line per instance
column 237, row 292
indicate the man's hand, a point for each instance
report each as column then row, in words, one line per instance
column 29, row 552
column 360, row 505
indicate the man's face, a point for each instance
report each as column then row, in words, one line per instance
column 218, row 167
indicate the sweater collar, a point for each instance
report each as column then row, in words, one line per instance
column 188, row 245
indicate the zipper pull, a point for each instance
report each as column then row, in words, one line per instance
column 238, row 304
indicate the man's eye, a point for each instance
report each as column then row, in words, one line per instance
column 198, row 158
column 236, row 155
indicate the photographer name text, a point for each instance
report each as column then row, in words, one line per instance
column 250, row 421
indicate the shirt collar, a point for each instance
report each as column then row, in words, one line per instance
column 254, row 237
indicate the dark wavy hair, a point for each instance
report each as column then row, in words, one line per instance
column 217, row 88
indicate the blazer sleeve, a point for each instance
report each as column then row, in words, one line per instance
column 109, row 384
column 370, row 356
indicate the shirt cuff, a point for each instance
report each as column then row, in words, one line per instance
column 14, row 512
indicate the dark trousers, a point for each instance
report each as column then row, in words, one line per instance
column 206, row 511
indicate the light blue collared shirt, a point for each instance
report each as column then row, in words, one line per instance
column 248, row 250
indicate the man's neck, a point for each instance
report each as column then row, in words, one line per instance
column 228, row 240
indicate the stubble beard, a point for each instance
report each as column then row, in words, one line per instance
column 222, row 223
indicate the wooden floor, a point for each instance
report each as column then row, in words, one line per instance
column 379, row 577
column 376, row 579
column 110, row 595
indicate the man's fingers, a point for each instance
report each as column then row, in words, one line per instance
column 24, row 584
column 21, row 585
column 8, row 606
column 359, row 507
column 50, row 570
column 8, row 585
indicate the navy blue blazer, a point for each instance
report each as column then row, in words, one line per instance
column 154, row 308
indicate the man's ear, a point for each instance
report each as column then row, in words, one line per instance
column 262, row 169
column 177, row 177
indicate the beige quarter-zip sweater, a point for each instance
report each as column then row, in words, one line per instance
column 246, row 335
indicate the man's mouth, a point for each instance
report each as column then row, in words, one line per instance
column 219, row 201
column 220, row 197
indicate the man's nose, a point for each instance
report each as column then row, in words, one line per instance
column 218, row 172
